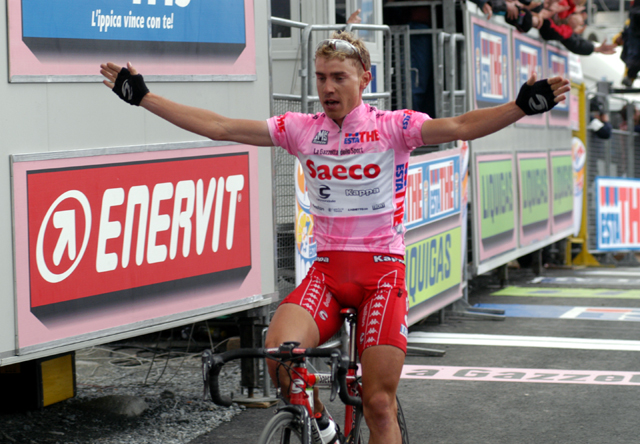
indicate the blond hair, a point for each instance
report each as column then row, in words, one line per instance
column 330, row 53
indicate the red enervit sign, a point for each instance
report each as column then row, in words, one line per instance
column 100, row 229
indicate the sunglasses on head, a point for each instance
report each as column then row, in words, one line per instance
column 343, row 47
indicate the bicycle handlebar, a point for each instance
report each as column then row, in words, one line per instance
column 212, row 364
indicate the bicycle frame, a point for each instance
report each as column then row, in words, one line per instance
column 303, row 382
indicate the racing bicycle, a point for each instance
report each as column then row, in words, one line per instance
column 293, row 421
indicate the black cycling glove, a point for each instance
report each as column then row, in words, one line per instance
column 537, row 98
column 130, row 88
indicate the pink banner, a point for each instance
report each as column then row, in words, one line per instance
column 108, row 241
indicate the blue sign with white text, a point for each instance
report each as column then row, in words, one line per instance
column 183, row 21
column 433, row 191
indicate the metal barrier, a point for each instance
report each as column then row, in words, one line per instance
column 618, row 156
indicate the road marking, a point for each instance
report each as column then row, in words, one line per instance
column 611, row 273
column 602, row 282
column 537, row 376
column 555, row 292
column 566, row 312
column 523, row 341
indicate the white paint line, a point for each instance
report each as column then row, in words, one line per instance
column 610, row 273
column 523, row 341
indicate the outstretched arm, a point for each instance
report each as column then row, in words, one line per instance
column 482, row 122
column 196, row 120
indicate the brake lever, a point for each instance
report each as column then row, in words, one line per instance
column 335, row 384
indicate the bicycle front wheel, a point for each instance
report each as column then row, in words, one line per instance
column 363, row 430
column 283, row 428
column 402, row 423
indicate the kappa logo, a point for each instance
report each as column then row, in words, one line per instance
column 379, row 258
column 541, row 105
column 322, row 138
column 127, row 90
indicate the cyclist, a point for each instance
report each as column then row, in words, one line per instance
column 355, row 160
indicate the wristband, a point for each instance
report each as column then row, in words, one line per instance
column 130, row 88
column 537, row 98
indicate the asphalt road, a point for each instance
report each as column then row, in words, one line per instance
column 560, row 367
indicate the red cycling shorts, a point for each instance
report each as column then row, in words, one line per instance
column 371, row 283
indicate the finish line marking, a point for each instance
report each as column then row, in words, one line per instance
column 554, row 292
column 539, row 376
column 523, row 341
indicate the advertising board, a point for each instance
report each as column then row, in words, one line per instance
column 617, row 214
column 434, row 239
column 112, row 242
column 495, row 205
column 562, row 190
column 491, row 71
column 528, row 59
column 557, row 64
column 534, row 201
column 66, row 40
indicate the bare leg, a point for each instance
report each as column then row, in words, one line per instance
column 381, row 369
column 291, row 323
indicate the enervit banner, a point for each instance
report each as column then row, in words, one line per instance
column 170, row 37
column 495, row 204
column 562, row 190
column 617, row 214
column 535, row 204
column 557, row 64
column 434, row 238
column 108, row 242
column 490, row 46
column 528, row 58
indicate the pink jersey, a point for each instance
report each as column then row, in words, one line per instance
column 356, row 175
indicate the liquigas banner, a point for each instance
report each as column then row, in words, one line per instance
column 433, row 265
column 535, row 204
column 434, row 206
column 562, row 180
column 496, row 204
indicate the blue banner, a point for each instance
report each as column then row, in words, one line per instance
column 491, row 66
column 184, row 21
column 433, row 191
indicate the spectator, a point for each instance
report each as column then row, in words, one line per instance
column 630, row 108
column 566, row 33
column 599, row 123
column 629, row 39
column 485, row 6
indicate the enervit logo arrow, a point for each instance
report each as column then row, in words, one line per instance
column 64, row 220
